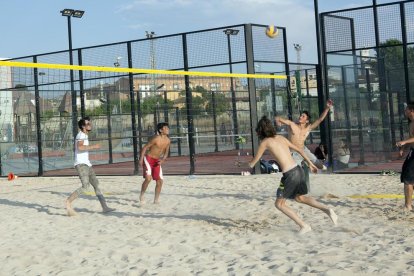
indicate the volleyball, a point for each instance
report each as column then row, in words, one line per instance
column 272, row 31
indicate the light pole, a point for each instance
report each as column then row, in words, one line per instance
column 228, row 33
column 41, row 74
column 117, row 64
column 151, row 35
column 298, row 48
column 77, row 14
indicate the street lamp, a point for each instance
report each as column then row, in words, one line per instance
column 78, row 14
column 151, row 35
column 298, row 48
column 41, row 74
column 117, row 64
column 228, row 33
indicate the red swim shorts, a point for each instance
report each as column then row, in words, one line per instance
column 152, row 167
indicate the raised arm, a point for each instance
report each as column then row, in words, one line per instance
column 315, row 124
column 282, row 121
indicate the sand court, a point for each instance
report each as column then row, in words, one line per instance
column 208, row 225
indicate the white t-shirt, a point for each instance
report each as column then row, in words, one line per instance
column 82, row 157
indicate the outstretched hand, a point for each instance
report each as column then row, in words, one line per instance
column 329, row 103
column 400, row 144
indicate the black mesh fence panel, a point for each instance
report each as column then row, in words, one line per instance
column 220, row 105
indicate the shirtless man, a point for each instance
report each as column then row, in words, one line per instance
column 151, row 161
column 298, row 132
column 407, row 172
column 292, row 185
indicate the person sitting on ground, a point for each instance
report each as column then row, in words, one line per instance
column 342, row 155
column 321, row 153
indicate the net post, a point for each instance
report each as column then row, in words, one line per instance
column 189, row 109
column 109, row 125
column 248, row 36
column 81, row 92
column 132, row 101
column 38, row 126
column 287, row 70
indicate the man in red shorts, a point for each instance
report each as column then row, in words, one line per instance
column 153, row 154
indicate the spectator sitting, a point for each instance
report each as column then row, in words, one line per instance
column 321, row 153
column 342, row 155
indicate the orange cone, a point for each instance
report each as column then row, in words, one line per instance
column 11, row 176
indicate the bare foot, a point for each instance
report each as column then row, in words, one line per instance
column 107, row 210
column 69, row 209
column 333, row 216
column 305, row 229
column 407, row 209
column 141, row 200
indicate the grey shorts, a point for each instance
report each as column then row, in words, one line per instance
column 299, row 159
column 293, row 183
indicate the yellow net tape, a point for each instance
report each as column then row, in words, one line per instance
column 135, row 70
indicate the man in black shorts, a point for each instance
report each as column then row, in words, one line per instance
column 293, row 184
column 407, row 172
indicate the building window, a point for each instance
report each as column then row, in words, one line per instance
column 215, row 86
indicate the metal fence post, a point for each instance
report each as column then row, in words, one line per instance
column 189, row 105
column 248, row 36
column 132, row 102
column 38, row 124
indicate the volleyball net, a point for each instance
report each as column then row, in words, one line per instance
column 38, row 102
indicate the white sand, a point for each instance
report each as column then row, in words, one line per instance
column 210, row 225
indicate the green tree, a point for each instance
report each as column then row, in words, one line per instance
column 198, row 102
column 149, row 104
column 222, row 104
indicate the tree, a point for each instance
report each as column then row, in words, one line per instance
column 222, row 104
column 198, row 102
column 149, row 104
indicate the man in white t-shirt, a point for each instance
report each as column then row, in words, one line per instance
column 84, row 167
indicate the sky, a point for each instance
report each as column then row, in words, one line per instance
column 30, row 27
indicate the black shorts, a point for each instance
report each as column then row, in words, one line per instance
column 407, row 171
column 293, row 183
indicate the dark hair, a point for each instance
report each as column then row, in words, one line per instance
column 265, row 128
column 410, row 106
column 82, row 122
column 160, row 126
column 307, row 114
